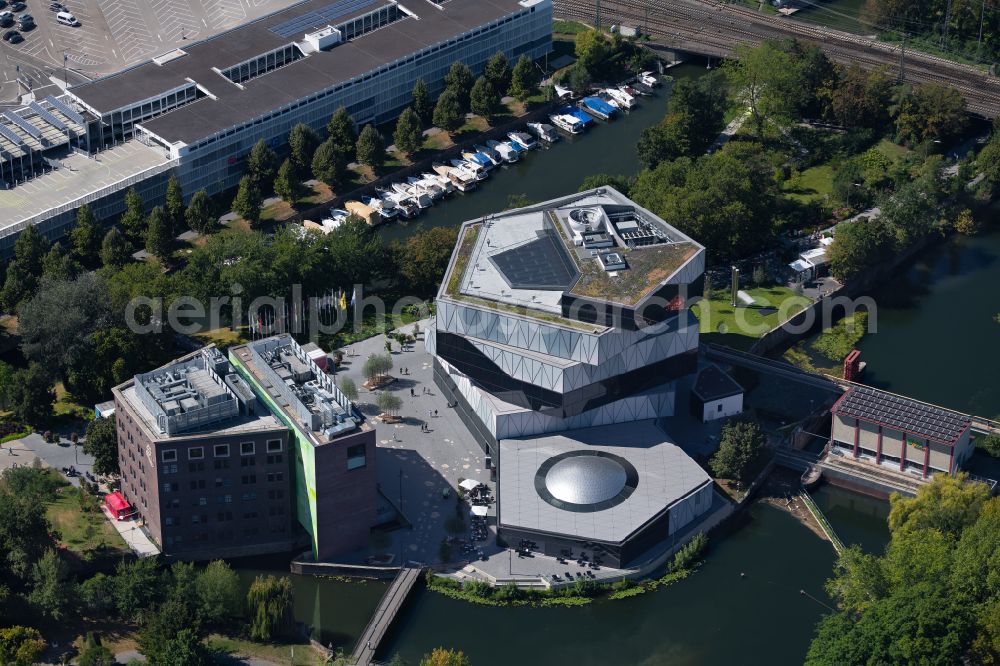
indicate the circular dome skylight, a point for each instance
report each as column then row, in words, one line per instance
column 584, row 481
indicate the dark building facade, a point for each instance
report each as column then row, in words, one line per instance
column 205, row 464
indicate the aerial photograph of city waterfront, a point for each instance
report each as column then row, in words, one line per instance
column 491, row 332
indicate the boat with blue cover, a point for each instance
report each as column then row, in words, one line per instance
column 580, row 115
column 597, row 107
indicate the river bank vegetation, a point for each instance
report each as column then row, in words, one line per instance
column 933, row 596
column 580, row 593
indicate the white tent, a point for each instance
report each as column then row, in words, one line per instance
column 479, row 510
column 469, row 484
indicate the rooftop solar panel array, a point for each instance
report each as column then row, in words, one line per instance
column 12, row 136
column 23, row 124
column 65, row 109
column 48, row 117
column 909, row 416
column 538, row 264
column 319, row 17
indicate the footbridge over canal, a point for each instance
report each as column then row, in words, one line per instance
column 390, row 605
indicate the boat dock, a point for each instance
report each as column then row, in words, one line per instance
column 388, row 608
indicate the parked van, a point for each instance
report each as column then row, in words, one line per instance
column 67, row 19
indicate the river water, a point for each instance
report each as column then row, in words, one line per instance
column 553, row 171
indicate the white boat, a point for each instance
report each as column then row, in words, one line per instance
column 387, row 210
column 417, row 194
column 407, row 206
column 567, row 123
column 433, row 189
column 504, row 150
column 610, row 100
column 479, row 172
column 523, row 140
column 481, row 159
column 463, row 179
column 339, row 214
column 544, row 131
column 649, row 78
column 441, row 181
column 625, row 100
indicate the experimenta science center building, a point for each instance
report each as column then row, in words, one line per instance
column 198, row 110
column 561, row 331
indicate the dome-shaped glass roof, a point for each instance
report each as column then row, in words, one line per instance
column 585, row 479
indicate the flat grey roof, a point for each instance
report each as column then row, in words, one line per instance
column 287, row 84
column 666, row 475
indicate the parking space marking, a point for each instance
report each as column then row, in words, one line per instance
column 224, row 13
column 176, row 18
column 82, row 45
column 128, row 27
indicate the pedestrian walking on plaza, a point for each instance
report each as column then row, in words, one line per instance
column 435, row 413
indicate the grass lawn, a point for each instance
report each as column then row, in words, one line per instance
column 64, row 406
column 568, row 27
column 223, row 338
column 893, row 151
column 813, row 184
column 304, row 654
column 80, row 530
column 741, row 326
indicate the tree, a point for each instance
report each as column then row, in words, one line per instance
column 947, row 504
column 343, row 134
column 200, row 213
column 58, row 265
column 741, row 445
column 445, row 657
column 577, row 78
column 377, row 366
column 85, row 238
column 134, row 217
column 288, row 184
column 930, row 112
column 770, row 81
column 159, row 239
column 483, row 99
column 137, row 588
column 498, row 73
column 23, row 272
column 348, row 388
column 857, row 246
column 247, row 201
column 388, row 403
column 422, row 103
column 966, row 223
column 448, row 114
column 24, row 528
column 858, row 580
column 20, row 646
column 592, row 49
column 261, row 165
column 370, row 148
column 988, row 160
column 408, row 136
column 861, row 98
column 32, row 396
column 525, row 79
column 220, row 595
column 327, row 164
column 116, row 251
column 621, row 183
column 302, row 143
column 101, row 442
column 459, row 80
column 184, row 649
column 423, row 259
column 174, row 205
column 97, row 595
column 97, row 655
column 160, row 639
column 269, row 606
column 52, row 587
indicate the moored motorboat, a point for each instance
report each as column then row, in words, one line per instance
column 489, row 152
column 522, row 139
column 478, row 171
column 478, row 158
column 418, row 195
column 505, row 151
column 597, row 107
column 435, row 191
column 463, row 179
column 441, row 181
column 624, row 99
column 388, row 211
column 567, row 123
column 544, row 131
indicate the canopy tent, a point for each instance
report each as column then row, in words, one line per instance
column 469, row 484
column 479, row 510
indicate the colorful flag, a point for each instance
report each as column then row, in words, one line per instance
column 343, row 300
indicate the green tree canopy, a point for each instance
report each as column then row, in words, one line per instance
column 770, row 81
column 302, row 143
column 930, row 112
column 101, row 442
column 53, row 591
column 288, row 183
column 342, row 132
column 174, row 205
column 159, row 234
column 328, row 165
column 371, row 148
column 269, row 605
column 861, row 98
column 85, row 238
column 524, row 79
column 483, row 99
column 592, row 49
column 247, row 201
column 32, row 395
column 220, row 594
column 740, row 446
column 459, row 80
column 138, row 587
column 445, row 657
column 133, row 220
column 200, row 213
column 448, row 114
column 423, row 258
column 422, row 102
column 261, row 165
column 408, row 136
column 20, row 646
column 24, row 529
column 116, row 251
column 498, row 72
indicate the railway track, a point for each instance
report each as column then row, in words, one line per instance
column 713, row 28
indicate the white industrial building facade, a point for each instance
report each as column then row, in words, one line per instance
column 560, row 368
column 202, row 108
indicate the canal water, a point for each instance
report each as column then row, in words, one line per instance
column 937, row 336
column 716, row 616
column 838, row 14
column 553, row 171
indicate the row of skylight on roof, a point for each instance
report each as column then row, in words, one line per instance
column 319, row 17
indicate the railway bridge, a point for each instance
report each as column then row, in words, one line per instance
column 714, row 28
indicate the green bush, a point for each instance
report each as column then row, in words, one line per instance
column 837, row 341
